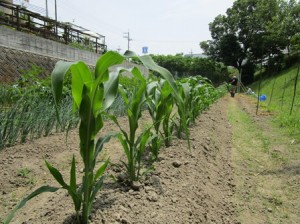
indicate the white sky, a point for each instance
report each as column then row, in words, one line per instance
column 164, row 26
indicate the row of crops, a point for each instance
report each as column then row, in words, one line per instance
column 104, row 94
column 27, row 109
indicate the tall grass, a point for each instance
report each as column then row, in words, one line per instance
column 284, row 97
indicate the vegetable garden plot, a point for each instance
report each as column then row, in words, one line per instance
column 92, row 94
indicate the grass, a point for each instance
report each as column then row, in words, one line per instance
column 25, row 174
column 266, row 166
column 279, row 90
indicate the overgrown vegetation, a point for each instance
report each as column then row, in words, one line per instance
column 283, row 99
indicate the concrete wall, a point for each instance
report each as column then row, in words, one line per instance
column 20, row 51
column 30, row 43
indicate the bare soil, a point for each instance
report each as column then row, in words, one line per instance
column 187, row 186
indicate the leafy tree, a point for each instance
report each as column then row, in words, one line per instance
column 181, row 66
column 254, row 30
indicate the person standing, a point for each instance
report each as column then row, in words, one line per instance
column 233, row 82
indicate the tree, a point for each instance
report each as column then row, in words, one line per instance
column 182, row 66
column 254, row 30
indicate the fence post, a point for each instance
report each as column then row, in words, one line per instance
column 96, row 44
column 18, row 17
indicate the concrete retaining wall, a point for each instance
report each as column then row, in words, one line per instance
column 20, row 51
column 13, row 39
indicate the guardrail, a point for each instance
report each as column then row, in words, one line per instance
column 20, row 18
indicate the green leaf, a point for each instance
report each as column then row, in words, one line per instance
column 144, row 140
column 72, row 189
column 86, row 128
column 114, row 119
column 57, row 77
column 24, row 201
column 123, row 93
column 100, row 142
column 107, row 60
column 98, row 99
column 73, row 175
column 124, row 144
column 149, row 63
column 57, row 175
column 110, row 89
column 101, row 170
column 96, row 188
column 81, row 76
column 98, row 123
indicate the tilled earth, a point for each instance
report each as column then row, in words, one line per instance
column 186, row 186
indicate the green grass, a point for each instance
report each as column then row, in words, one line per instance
column 265, row 159
column 279, row 90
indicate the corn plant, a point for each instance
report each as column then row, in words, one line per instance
column 92, row 95
column 168, row 121
column 134, row 145
column 203, row 94
column 197, row 93
column 160, row 104
column 182, row 110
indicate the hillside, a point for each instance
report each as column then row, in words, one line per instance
column 279, row 90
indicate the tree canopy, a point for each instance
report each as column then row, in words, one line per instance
column 254, row 30
column 182, row 66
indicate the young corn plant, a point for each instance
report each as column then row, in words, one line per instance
column 160, row 105
column 133, row 144
column 168, row 121
column 185, row 94
column 201, row 96
column 181, row 108
column 92, row 94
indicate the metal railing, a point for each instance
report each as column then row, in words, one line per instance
column 24, row 20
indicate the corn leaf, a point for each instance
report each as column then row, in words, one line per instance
column 104, row 62
column 57, row 175
column 81, row 76
column 100, row 142
column 101, row 170
column 73, row 175
column 124, row 144
column 110, row 90
column 96, row 188
column 24, row 201
column 57, row 77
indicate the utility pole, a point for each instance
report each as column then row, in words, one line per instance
column 127, row 36
column 56, row 17
column 47, row 8
column 55, row 11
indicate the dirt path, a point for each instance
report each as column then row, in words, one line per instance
column 266, row 163
column 203, row 185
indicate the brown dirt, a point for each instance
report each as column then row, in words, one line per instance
column 187, row 186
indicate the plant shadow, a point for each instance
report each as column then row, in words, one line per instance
column 288, row 170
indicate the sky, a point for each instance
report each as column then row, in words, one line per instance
column 166, row 27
